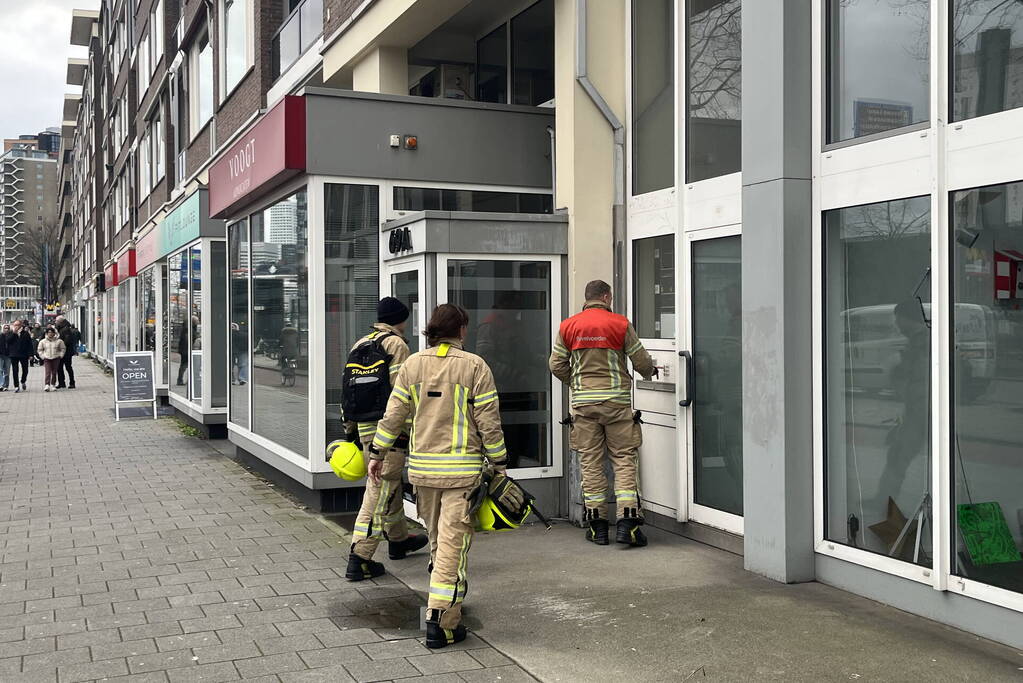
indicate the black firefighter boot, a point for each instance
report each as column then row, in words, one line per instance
column 597, row 533
column 360, row 569
column 437, row 637
column 629, row 532
column 399, row 550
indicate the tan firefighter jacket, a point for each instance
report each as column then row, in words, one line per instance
column 396, row 347
column 456, row 422
column 590, row 356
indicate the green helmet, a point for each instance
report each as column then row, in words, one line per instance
column 347, row 460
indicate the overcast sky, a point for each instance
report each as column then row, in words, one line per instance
column 34, row 48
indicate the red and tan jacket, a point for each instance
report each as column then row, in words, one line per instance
column 456, row 421
column 590, row 356
column 396, row 347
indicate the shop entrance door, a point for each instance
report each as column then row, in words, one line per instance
column 408, row 281
column 514, row 306
column 711, row 400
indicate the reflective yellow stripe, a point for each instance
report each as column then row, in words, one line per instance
column 495, row 450
column 460, row 420
column 561, row 350
column 443, row 349
column 364, row 367
column 634, row 348
column 402, row 395
column 612, row 363
column 383, row 439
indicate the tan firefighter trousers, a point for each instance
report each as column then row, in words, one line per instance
column 595, row 426
column 382, row 514
column 446, row 513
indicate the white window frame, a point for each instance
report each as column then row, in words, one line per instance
column 690, row 211
column 156, row 34
column 226, row 90
column 196, row 125
column 934, row 161
column 556, row 468
column 158, row 145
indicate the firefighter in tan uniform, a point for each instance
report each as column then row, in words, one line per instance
column 382, row 514
column 590, row 356
column 456, row 425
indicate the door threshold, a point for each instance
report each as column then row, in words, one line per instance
column 708, row 535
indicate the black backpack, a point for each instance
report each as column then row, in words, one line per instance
column 366, row 381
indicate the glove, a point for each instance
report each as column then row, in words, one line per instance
column 505, row 492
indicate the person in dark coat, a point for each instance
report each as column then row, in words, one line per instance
column 185, row 349
column 5, row 358
column 71, row 337
column 21, row 348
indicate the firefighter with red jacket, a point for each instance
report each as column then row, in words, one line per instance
column 590, row 356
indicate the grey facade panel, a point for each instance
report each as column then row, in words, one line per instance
column 777, row 79
column 444, row 232
column 776, row 289
column 349, row 133
column 985, row 619
column 777, row 386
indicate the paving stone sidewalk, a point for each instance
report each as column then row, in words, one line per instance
column 132, row 552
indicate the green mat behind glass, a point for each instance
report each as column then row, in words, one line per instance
column 986, row 534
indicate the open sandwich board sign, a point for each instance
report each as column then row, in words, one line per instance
column 133, row 380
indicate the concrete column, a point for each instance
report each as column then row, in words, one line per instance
column 776, row 282
column 384, row 70
column 585, row 142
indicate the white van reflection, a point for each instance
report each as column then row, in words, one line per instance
column 874, row 345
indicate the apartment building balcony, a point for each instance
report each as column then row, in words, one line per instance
column 296, row 35
column 84, row 25
column 76, row 70
column 470, row 50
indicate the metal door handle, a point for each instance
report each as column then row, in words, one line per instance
column 687, row 397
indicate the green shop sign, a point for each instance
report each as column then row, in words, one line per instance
column 181, row 226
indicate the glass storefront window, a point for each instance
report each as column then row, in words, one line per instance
column 987, row 55
column 218, row 316
column 195, row 308
column 509, row 305
column 653, row 267
column 352, row 242
column 123, row 318
column 110, row 299
column 877, row 346
column 238, row 315
column 177, row 322
column 405, row 288
column 147, row 311
column 717, row 373
column 653, row 95
column 435, row 199
column 878, row 69
column 714, row 87
column 533, row 54
column 492, row 66
column 280, row 323
column 987, row 367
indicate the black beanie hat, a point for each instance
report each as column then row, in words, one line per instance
column 391, row 311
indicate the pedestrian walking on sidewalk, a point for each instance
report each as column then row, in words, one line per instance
column 451, row 398
column 5, row 357
column 21, row 348
column 590, row 356
column 382, row 514
column 71, row 337
column 5, row 338
column 51, row 350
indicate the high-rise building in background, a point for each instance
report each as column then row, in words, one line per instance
column 28, row 197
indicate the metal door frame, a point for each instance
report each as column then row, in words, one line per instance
column 686, row 449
